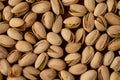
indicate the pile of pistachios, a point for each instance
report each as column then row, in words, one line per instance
column 59, row 39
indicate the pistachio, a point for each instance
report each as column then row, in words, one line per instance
column 72, row 59
column 30, row 1
column 57, row 7
column 72, row 47
column 41, row 46
column 69, row 2
column 103, row 73
column 16, row 78
column 65, row 75
column 28, row 59
column 41, row 7
column 102, row 42
column 41, row 61
column 112, row 18
column 87, row 54
column 92, row 37
column 118, row 5
column 48, row 19
column 115, row 76
column 100, row 9
column 6, row 41
column 20, row 9
column 78, row 69
column 99, row 1
column 54, row 38
column 72, row 22
column 97, row 60
column 1, row 6
column 90, row 5
column 57, row 64
column 88, row 22
column 16, row 22
column 114, row 31
column 111, row 5
column 55, row 51
column 23, row 46
column 67, row 35
column 57, row 25
column 13, row 2
column 89, row 75
column 3, row 27
column 116, row 64
column 108, row 58
column 3, row 52
column 30, row 72
column 39, row 30
column 77, row 10
column 4, row 67
column 101, row 23
column 13, row 56
column 7, row 15
column 48, row 74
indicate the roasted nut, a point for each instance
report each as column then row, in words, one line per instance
column 90, row 5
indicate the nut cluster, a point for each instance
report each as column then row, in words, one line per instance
column 59, row 40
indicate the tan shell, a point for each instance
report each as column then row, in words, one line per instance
column 69, row 2
column 16, row 78
column 90, row 5
column 3, row 52
column 115, row 76
column 13, row 2
column 3, row 27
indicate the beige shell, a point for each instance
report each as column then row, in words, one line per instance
column 3, row 52
column 69, row 2
column 90, row 5
column 13, row 2
column 3, row 27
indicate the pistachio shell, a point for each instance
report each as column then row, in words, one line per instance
column 115, row 76
column 13, row 2
column 3, row 27
column 90, row 5
column 1, row 6
column 69, row 2
column 3, row 52
column 30, row 1
column 16, row 78
column 111, row 5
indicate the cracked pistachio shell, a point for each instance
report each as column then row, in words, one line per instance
column 16, row 78
column 15, row 71
column 29, row 19
column 20, row 9
column 41, row 46
column 72, row 59
column 100, row 9
column 57, row 6
column 78, row 69
column 4, row 67
column 108, row 58
column 16, row 22
column 112, row 18
column 3, row 52
column 89, row 75
column 88, row 22
column 55, row 51
column 57, row 25
column 13, row 33
column 13, row 56
column 99, row 1
column 1, row 6
column 30, row 72
column 77, row 10
column 87, row 54
column 7, row 15
column 28, row 59
column 101, row 23
column 29, row 37
column 48, row 19
column 54, row 38
column 41, row 7
column 41, row 61
column 80, row 35
column 4, row 27
column 72, row 47
column 97, row 60
column 23, row 46
column 57, row 64
column 65, row 75
column 102, row 42
column 114, row 31
column 72, row 22
column 67, row 35
column 114, row 44
column 92, row 37
column 6, row 41
column 112, row 5
column 115, row 75
column 69, row 2
column 30, row 1
column 115, row 65
column 13, row 2
column 48, row 74
column 1, row 76
column 103, row 73
column 118, row 5
column 39, row 30
column 90, row 5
